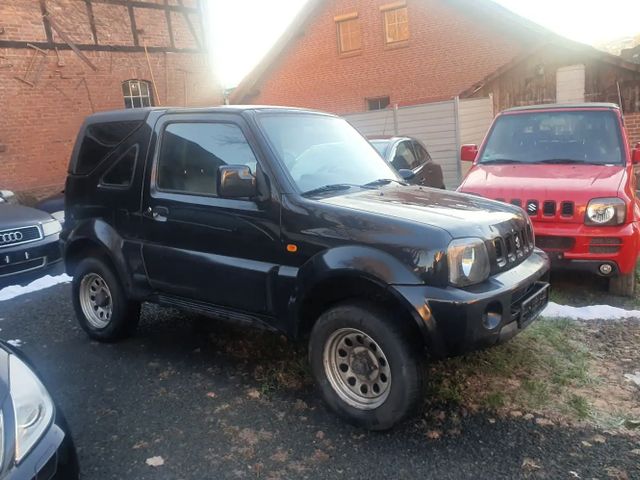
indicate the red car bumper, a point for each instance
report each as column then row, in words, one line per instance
column 583, row 247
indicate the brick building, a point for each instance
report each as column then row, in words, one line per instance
column 348, row 56
column 353, row 55
column 61, row 60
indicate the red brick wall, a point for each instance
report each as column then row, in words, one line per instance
column 449, row 49
column 38, row 124
column 632, row 122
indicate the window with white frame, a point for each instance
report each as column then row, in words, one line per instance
column 137, row 94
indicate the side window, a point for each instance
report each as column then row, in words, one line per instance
column 120, row 174
column 191, row 153
column 404, row 157
column 421, row 153
column 100, row 140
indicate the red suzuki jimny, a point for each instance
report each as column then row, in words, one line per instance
column 571, row 168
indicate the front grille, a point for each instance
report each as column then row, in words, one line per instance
column 512, row 248
column 532, row 207
column 17, row 236
column 605, row 245
column 22, row 267
column 549, row 208
column 557, row 244
column 566, row 209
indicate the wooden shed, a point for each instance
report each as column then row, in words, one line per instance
column 562, row 71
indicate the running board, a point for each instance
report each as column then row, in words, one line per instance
column 217, row 312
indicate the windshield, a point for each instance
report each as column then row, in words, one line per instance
column 591, row 137
column 381, row 146
column 319, row 150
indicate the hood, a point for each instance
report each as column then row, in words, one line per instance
column 15, row 216
column 578, row 183
column 460, row 215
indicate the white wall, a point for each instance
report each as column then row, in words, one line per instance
column 570, row 84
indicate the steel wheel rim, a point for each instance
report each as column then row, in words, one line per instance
column 96, row 301
column 357, row 368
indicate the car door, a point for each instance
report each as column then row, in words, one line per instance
column 427, row 171
column 197, row 245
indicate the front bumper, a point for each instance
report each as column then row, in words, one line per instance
column 455, row 321
column 26, row 262
column 587, row 247
column 53, row 458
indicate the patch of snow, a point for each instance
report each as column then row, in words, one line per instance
column 155, row 461
column 592, row 312
column 47, row 281
column 15, row 343
column 634, row 377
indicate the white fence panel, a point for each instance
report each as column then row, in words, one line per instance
column 436, row 125
column 475, row 116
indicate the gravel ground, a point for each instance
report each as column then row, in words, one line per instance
column 185, row 389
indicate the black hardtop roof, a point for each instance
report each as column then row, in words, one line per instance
column 564, row 106
column 140, row 114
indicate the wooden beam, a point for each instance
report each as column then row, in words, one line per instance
column 92, row 20
column 167, row 14
column 134, row 27
column 190, row 25
column 68, row 41
column 90, row 47
column 156, row 6
column 45, row 21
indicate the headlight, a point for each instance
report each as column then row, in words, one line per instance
column 51, row 227
column 32, row 406
column 605, row 211
column 59, row 215
column 468, row 261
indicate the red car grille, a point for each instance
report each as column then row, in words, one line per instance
column 544, row 209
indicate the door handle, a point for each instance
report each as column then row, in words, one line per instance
column 159, row 214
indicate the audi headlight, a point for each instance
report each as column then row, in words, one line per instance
column 468, row 261
column 32, row 406
column 51, row 227
column 59, row 215
column 605, row 211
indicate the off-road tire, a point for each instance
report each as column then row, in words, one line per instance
column 623, row 285
column 125, row 313
column 400, row 347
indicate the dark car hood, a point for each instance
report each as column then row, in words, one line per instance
column 459, row 214
column 13, row 216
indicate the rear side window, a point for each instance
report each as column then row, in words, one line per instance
column 100, row 140
column 404, row 157
column 191, row 153
column 120, row 174
column 421, row 153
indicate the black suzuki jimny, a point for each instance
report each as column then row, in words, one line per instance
column 290, row 219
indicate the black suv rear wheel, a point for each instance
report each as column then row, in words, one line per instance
column 366, row 365
column 102, row 308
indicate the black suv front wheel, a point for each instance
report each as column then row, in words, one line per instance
column 366, row 365
column 102, row 308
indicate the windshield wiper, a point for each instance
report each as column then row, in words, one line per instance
column 561, row 160
column 335, row 187
column 499, row 160
column 384, row 181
